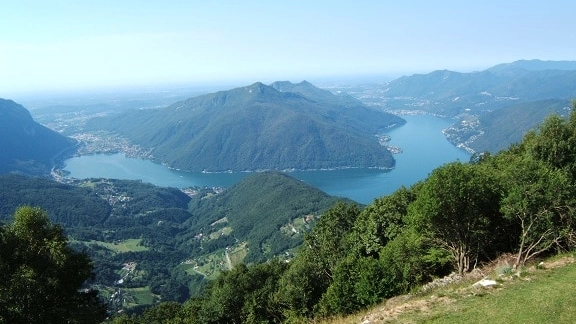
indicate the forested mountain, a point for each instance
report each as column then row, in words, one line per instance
column 258, row 127
column 450, row 94
column 526, row 91
column 496, row 130
column 261, row 210
column 26, row 146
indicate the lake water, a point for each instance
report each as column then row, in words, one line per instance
column 421, row 139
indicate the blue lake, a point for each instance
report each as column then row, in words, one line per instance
column 421, row 139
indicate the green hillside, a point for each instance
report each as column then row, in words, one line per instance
column 68, row 205
column 496, row 130
column 259, row 128
column 258, row 207
column 26, row 146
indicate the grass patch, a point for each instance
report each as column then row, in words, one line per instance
column 541, row 294
column 220, row 221
column 544, row 296
column 129, row 245
column 140, row 295
column 238, row 254
column 88, row 184
column 298, row 226
column 221, row 232
column 209, row 265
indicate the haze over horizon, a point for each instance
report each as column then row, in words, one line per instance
column 70, row 45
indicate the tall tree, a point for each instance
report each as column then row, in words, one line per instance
column 458, row 206
column 41, row 277
column 539, row 200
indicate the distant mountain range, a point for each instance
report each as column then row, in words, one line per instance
column 26, row 146
column 259, row 127
column 450, row 94
column 527, row 88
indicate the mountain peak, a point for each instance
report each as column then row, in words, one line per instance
column 312, row 92
column 11, row 110
column 259, row 88
column 287, row 86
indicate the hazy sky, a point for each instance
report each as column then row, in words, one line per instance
column 72, row 44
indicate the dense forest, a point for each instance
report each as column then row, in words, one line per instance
column 175, row 240
column 518, row 201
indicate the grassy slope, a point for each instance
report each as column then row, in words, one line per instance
column 543, row 295
column 548, row 298
column 129, row 245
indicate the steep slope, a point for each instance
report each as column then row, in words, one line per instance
column 259, row 127
column 492, row 132
column 26, row 146
column 258, row 207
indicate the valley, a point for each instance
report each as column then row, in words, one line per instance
column 160, row 230
column 287, row 162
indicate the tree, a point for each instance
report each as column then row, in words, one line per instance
column 311, row 272
column 381, row 221
column 161, row 313
column 357, row 283
column 458, row 206
column 554, row 142
column 41, row 277
column 328, row 241
column 539, row 199
column 540, row 175
column 409, row 260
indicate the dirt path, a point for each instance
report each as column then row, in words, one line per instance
column 228, row 261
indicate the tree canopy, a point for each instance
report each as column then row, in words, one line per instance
column 41, row 277
column 458, row 207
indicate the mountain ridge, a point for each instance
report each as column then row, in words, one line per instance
column 450, row 94
column 258, row 127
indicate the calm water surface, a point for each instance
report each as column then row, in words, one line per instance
column 424, row 148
